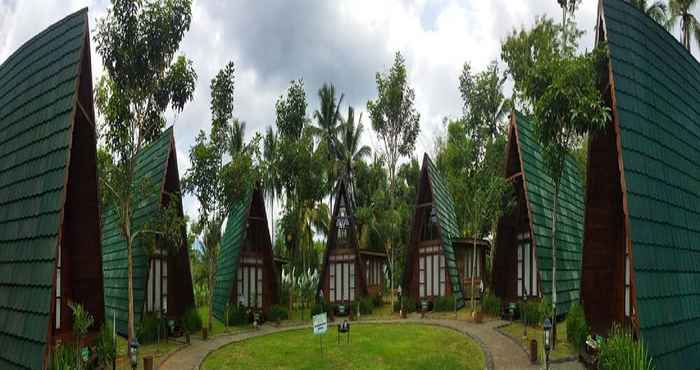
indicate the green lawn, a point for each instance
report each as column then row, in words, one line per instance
column 563, row 348
column 388, row 346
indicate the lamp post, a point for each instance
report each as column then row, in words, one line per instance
column 547, row 341
column 134, row 353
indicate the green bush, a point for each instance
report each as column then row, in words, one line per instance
column 318, row 308
column 621, row 352
column 377, row 300
column 365, row 305
column 444, row 304
column 532, row 312
column 191, row 321
column 409, row 305
column 491, row 305
column 237, row 315
column 576, row 326
column 105, row 348
column 64, row 357
column 277, row 312
column 147, row 330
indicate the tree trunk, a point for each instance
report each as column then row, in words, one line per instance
column 130, row 280
column 473, row 274
column 554, row 261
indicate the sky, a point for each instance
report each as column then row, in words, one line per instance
column 344, row 42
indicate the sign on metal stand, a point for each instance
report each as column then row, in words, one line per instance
column 320, row 325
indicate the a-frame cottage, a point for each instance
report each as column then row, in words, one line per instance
column 246, row 273
column 641, row 252
column 432, row 269
column 342, row 273
column 161, row 274
column 523, row 255
column 49, row 214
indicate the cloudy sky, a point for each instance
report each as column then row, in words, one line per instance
column 341, row 41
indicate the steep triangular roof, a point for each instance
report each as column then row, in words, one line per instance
column 39, row 86
column 656, row 112
column 446, row 218
column 539, row 195
column 250, row 207
column 151, row 166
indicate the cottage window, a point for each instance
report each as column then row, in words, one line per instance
column 343, row 222
column 157, row 290
column 250, row 282
column 527, row 266
column 59, row 267
column 430, row 224
column 342, row 278
column 431, row 271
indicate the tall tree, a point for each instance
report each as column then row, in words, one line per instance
column 271, row 181
column 657, row 10
column 562, row 88
column 680, row 11
column 138, row 42
column 397, row 124
column 326, row 129
column 349, row 150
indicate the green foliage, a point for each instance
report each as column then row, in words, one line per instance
column 621, row 352
column 277, row 312
column 365, row 304
column 491, row 305
column 237, row 315
column 318, row 308
column 377, row 300
column 409, row 305
column 65, row 357
column 149, row 329
column 444, row 304
column 576, row 326
column 201, row 293
column 105, row 346
column 191, row 321
column 680, row 10
column 532, row 312
column 291, row 111
column 82, row 320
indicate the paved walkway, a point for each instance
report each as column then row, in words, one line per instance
column 501, row 352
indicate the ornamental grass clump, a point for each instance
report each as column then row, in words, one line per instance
column 621, row 352
column 576, row 326
column 491, row 305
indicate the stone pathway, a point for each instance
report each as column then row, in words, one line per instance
column 501, row 352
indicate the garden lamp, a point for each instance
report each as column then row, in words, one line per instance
column 547, row 340
column 134, row 352
column 398, row 291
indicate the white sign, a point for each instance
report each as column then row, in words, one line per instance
column 320, row 323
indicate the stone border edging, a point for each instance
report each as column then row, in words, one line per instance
column 522, row 346
column 488, row 358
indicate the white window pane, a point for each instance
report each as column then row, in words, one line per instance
column 346, row 281
column 528, row 288
column 436, row 275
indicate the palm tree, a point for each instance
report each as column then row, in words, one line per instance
column 236, row 136
column 658, row 11
column 272, row 184
column 680, row 10
column 349, row 151
column 327, row 118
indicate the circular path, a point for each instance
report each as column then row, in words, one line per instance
column 500, row 351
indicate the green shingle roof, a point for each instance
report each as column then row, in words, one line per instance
column 151, row 165
column 540, row 197
column 657, row 90
column 229, row 254
column 447, row 218
column 38, row 92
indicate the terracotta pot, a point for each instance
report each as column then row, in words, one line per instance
column 533, row 351
column 479, row 317
column 148, row 363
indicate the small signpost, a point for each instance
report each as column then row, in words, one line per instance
column 320, row 325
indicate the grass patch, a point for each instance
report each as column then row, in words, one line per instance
column 398, row 346
column 563, row 348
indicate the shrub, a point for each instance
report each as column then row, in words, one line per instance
column 409, row 304
column 105, row 348
column 277, row 312
column 147, row 330
column 191, row 321
column 237, row 315
column 444, row 304
column 377, row 300
column 620, row 351
column 365, row 305
column 491, row 305
column 318, row 308
column 64, row 357
column 532, row 312
column 576, row 326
